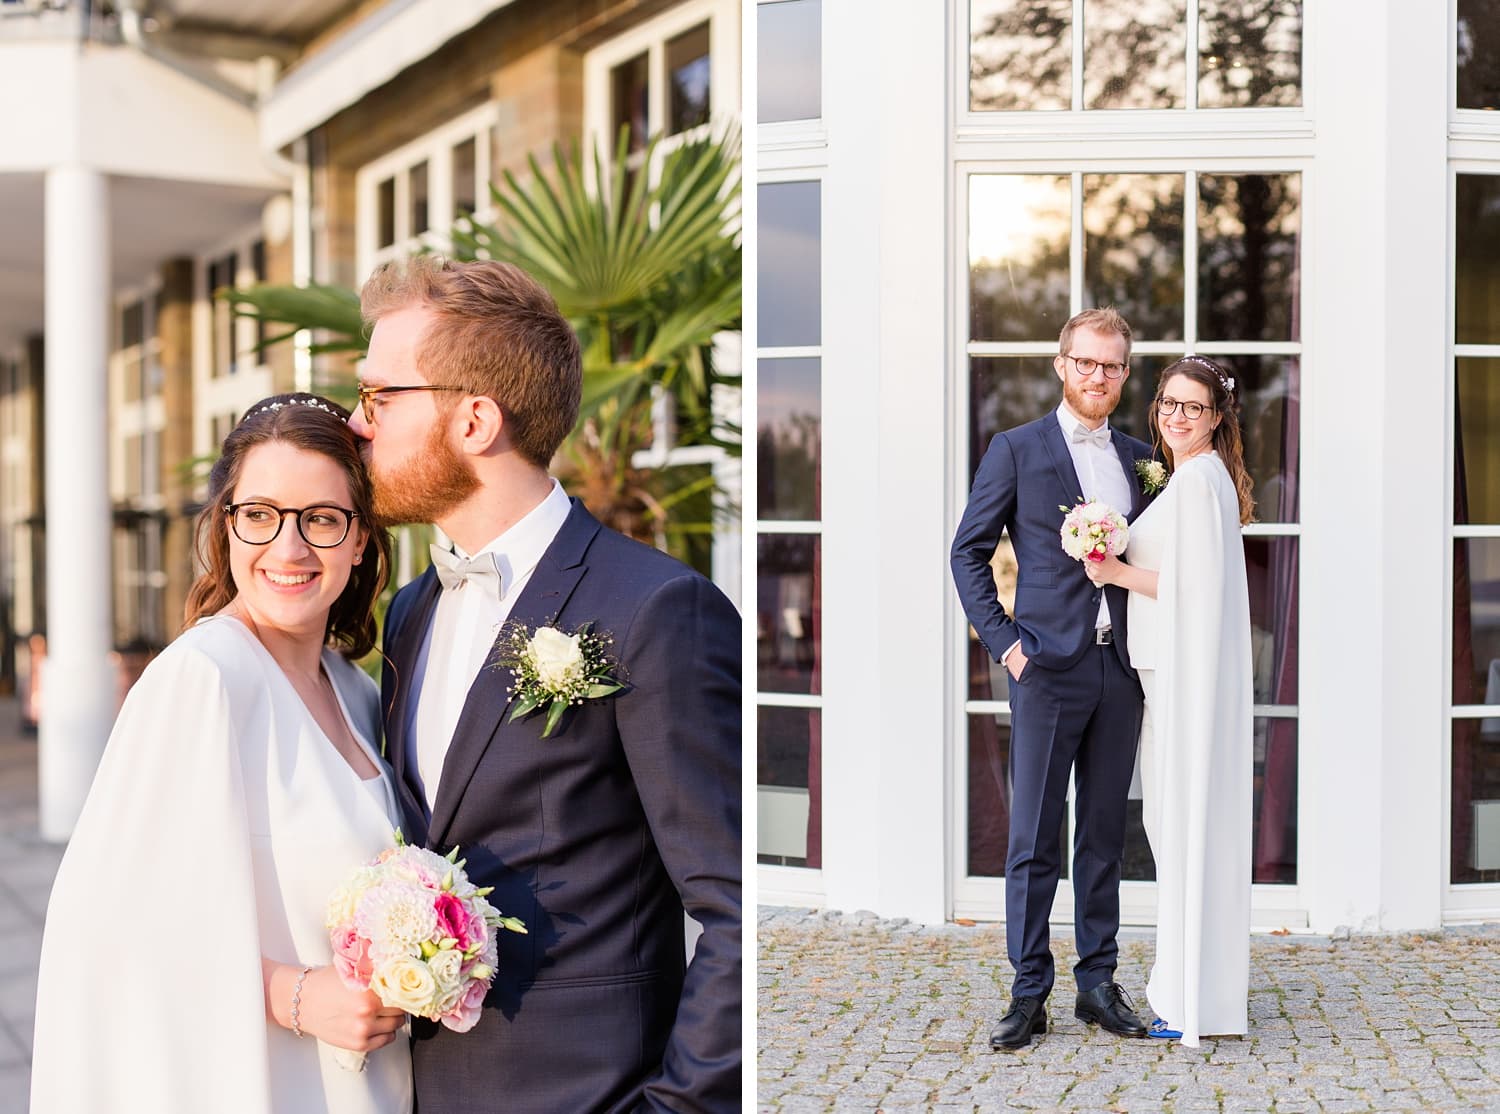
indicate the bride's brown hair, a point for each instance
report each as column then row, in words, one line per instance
column 314, row 425
column 1226, row 437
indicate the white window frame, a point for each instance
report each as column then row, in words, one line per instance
column 650, row 38
column 436, row 150
column 215, row 394
column 1473, row 148
column 1080, row 141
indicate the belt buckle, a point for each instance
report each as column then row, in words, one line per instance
column 1104, row 636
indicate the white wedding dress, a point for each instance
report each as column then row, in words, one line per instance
column 1191, row 646
column 220, row 820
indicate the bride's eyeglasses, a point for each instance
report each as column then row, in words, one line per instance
column 1192, row 411
column 323, row 527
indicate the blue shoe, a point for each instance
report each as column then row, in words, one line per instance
column 1161, row 1032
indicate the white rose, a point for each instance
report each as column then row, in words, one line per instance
column 558, row 657
column 405, row 983
column 447, row 970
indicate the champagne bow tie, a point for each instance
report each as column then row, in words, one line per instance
column 453, row 570
column 1097, row 437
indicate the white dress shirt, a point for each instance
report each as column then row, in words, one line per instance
column 465, row 623
column 1102, row 477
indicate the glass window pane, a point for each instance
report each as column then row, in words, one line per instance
column 465, row 192
column 1478, row 50
column 788, row 614
column 1476, row 621
column 789, row 781
column 790, row 280
column 1271, row 567
column 1134, row 53
column 1476, row 449
column 1004, row 392
column 1274, row 830
column 1249, row 256
column 989, row 797
column 419, row 214
column 1477, row 259
column 629, row 83
column 1476, row 801
column 1132, row 250
column 385, row 213
column 1249, row 53
column 789, row 66
column 1019, row 231
column 688, row 80
column 788, row 444
column 1020, row 55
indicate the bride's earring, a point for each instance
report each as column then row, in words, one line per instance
column 358, row 557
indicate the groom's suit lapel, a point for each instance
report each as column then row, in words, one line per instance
column 489, row 699
column 1062, row 460
column 403, row 662
column 1127, row 462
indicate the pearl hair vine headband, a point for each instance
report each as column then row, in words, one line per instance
column 272, row 407
column 1225, row 381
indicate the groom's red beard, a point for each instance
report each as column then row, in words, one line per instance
column 432, row 482
column 1086, row 406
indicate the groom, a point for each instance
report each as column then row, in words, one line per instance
column 601, row 833
column 1075, row 702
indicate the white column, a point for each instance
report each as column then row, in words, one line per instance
column 1373, row 740
column 885, row 568
column 78, row 696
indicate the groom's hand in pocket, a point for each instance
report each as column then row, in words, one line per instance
column 1015, row 662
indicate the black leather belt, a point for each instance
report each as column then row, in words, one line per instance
column 1103, row 636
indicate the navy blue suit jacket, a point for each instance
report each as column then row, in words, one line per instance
column 1026, row 475
column 597, row 837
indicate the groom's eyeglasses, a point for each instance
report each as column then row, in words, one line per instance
column 370, row 396
column 1086, row 367
column 323, row 527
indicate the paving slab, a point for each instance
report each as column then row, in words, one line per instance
column 897, row 1016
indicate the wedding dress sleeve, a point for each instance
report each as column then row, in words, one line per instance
column 150, row 991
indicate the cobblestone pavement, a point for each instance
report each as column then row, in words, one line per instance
column 27, row 865
column 858, row 1014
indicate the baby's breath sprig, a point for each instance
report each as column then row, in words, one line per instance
column 554, row 669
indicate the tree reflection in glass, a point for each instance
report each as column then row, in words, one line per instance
column 1134, row 53
column 1019, row 228
column 1249, row 53
column 1133, row 250
column 1477, row 259
column 1249, row 245
column 1020, row 55
column 788, row 442
column 1478, row 51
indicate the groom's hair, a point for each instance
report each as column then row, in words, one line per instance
column 498, row 333
column 1106, row 319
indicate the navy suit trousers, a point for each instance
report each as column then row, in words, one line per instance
column 1086, row 718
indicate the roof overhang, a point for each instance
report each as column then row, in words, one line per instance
column 362, row 59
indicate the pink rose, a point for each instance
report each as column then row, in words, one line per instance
column 351, row 957
column 465, row 1015
column 452, row 918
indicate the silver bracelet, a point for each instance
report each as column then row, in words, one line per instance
column 297, row 1003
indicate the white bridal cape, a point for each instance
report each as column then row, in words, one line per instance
column 1192, row 647
column 220, row 820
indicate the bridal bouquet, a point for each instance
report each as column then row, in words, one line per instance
column 413, row 929
column 1091, row 531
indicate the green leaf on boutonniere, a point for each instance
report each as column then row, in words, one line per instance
column 596, row 691
column 554, row 717
column 524, row 704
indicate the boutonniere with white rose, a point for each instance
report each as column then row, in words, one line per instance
column 555, row 669
column 1153, row 475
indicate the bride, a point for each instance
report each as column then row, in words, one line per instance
column 1189, row 615
column 185, row 964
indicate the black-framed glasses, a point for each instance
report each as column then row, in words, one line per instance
column 1086, row 366
column 1192, row 411
column 323, row 526
column 368, row 396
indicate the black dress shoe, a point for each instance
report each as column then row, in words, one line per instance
column 1026, row 1018
column 1108, row 1006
